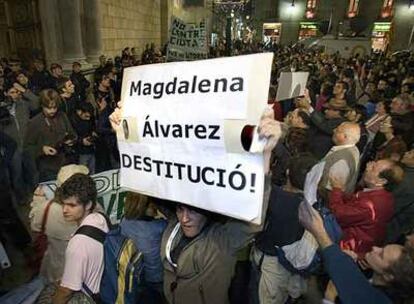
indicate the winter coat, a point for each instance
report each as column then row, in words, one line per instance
column 363, row 217
column 19, row 120
column 205, row 266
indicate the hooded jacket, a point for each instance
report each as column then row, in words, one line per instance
column 206, row 264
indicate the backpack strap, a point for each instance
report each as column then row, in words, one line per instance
column 94, row 296
column 45, row 216
column 93, row 232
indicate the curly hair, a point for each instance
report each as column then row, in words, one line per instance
column 80, row 186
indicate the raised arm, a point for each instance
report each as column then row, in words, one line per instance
column 349, row 281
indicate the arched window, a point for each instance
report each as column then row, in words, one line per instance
column 311, row 4
column 386, row 10
column 310, row 9
column 353, row 8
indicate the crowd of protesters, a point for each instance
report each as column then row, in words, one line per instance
column 356, row 118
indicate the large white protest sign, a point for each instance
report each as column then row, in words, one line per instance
column 110, row 195
column 291, row 85
column 186, row 41
column 183, row 122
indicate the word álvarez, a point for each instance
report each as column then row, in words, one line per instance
column 180, row 131
column 195, row 85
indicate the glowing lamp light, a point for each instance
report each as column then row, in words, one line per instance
column 291, row 8
column 309, row 14
column 411, row 6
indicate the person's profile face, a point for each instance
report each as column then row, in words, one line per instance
column 73, row 211
column 380, row 259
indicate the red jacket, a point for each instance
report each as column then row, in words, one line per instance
column 363, row 217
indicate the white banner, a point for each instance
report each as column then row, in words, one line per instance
column 180, row 138
column 110, row 196
column 187, row 41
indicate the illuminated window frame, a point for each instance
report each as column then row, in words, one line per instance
column 386, row 10
column 310, row 9
column 311, row 4
column 353, row 8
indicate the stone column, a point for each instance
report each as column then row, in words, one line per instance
column 69, row 12
column 48, row 13
column 92, row 19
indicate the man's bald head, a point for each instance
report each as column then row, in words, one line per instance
column 347, row 133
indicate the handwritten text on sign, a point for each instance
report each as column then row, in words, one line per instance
column 186, row 41
column 180, row 138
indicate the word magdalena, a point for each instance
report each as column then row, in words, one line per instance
column 159, row 89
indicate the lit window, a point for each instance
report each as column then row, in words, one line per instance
column 310, row 9
column 353, row 8
column 386, row 10
column 311, row 4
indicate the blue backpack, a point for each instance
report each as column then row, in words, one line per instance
column 335, row 233
column 122, row 279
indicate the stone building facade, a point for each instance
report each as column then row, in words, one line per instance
column 81, row 30
column 124, row 23
column 67, row 30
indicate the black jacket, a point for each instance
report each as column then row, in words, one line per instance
column 83, row 129
column 7, row 148
column 41, row 80
column 320, row 133
column 81, row 84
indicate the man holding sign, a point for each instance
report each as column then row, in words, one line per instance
column 167, row 142
column 199, row 254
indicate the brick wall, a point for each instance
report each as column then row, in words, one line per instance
column 130, row 23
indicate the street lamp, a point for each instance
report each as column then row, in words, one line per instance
column 292, row 6
column 229, row 8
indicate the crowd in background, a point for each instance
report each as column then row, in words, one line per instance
column 356, row 116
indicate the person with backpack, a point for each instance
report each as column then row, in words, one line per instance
column 46, row 218
column 143, row 225
column 84, row 257
column 276, row 284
